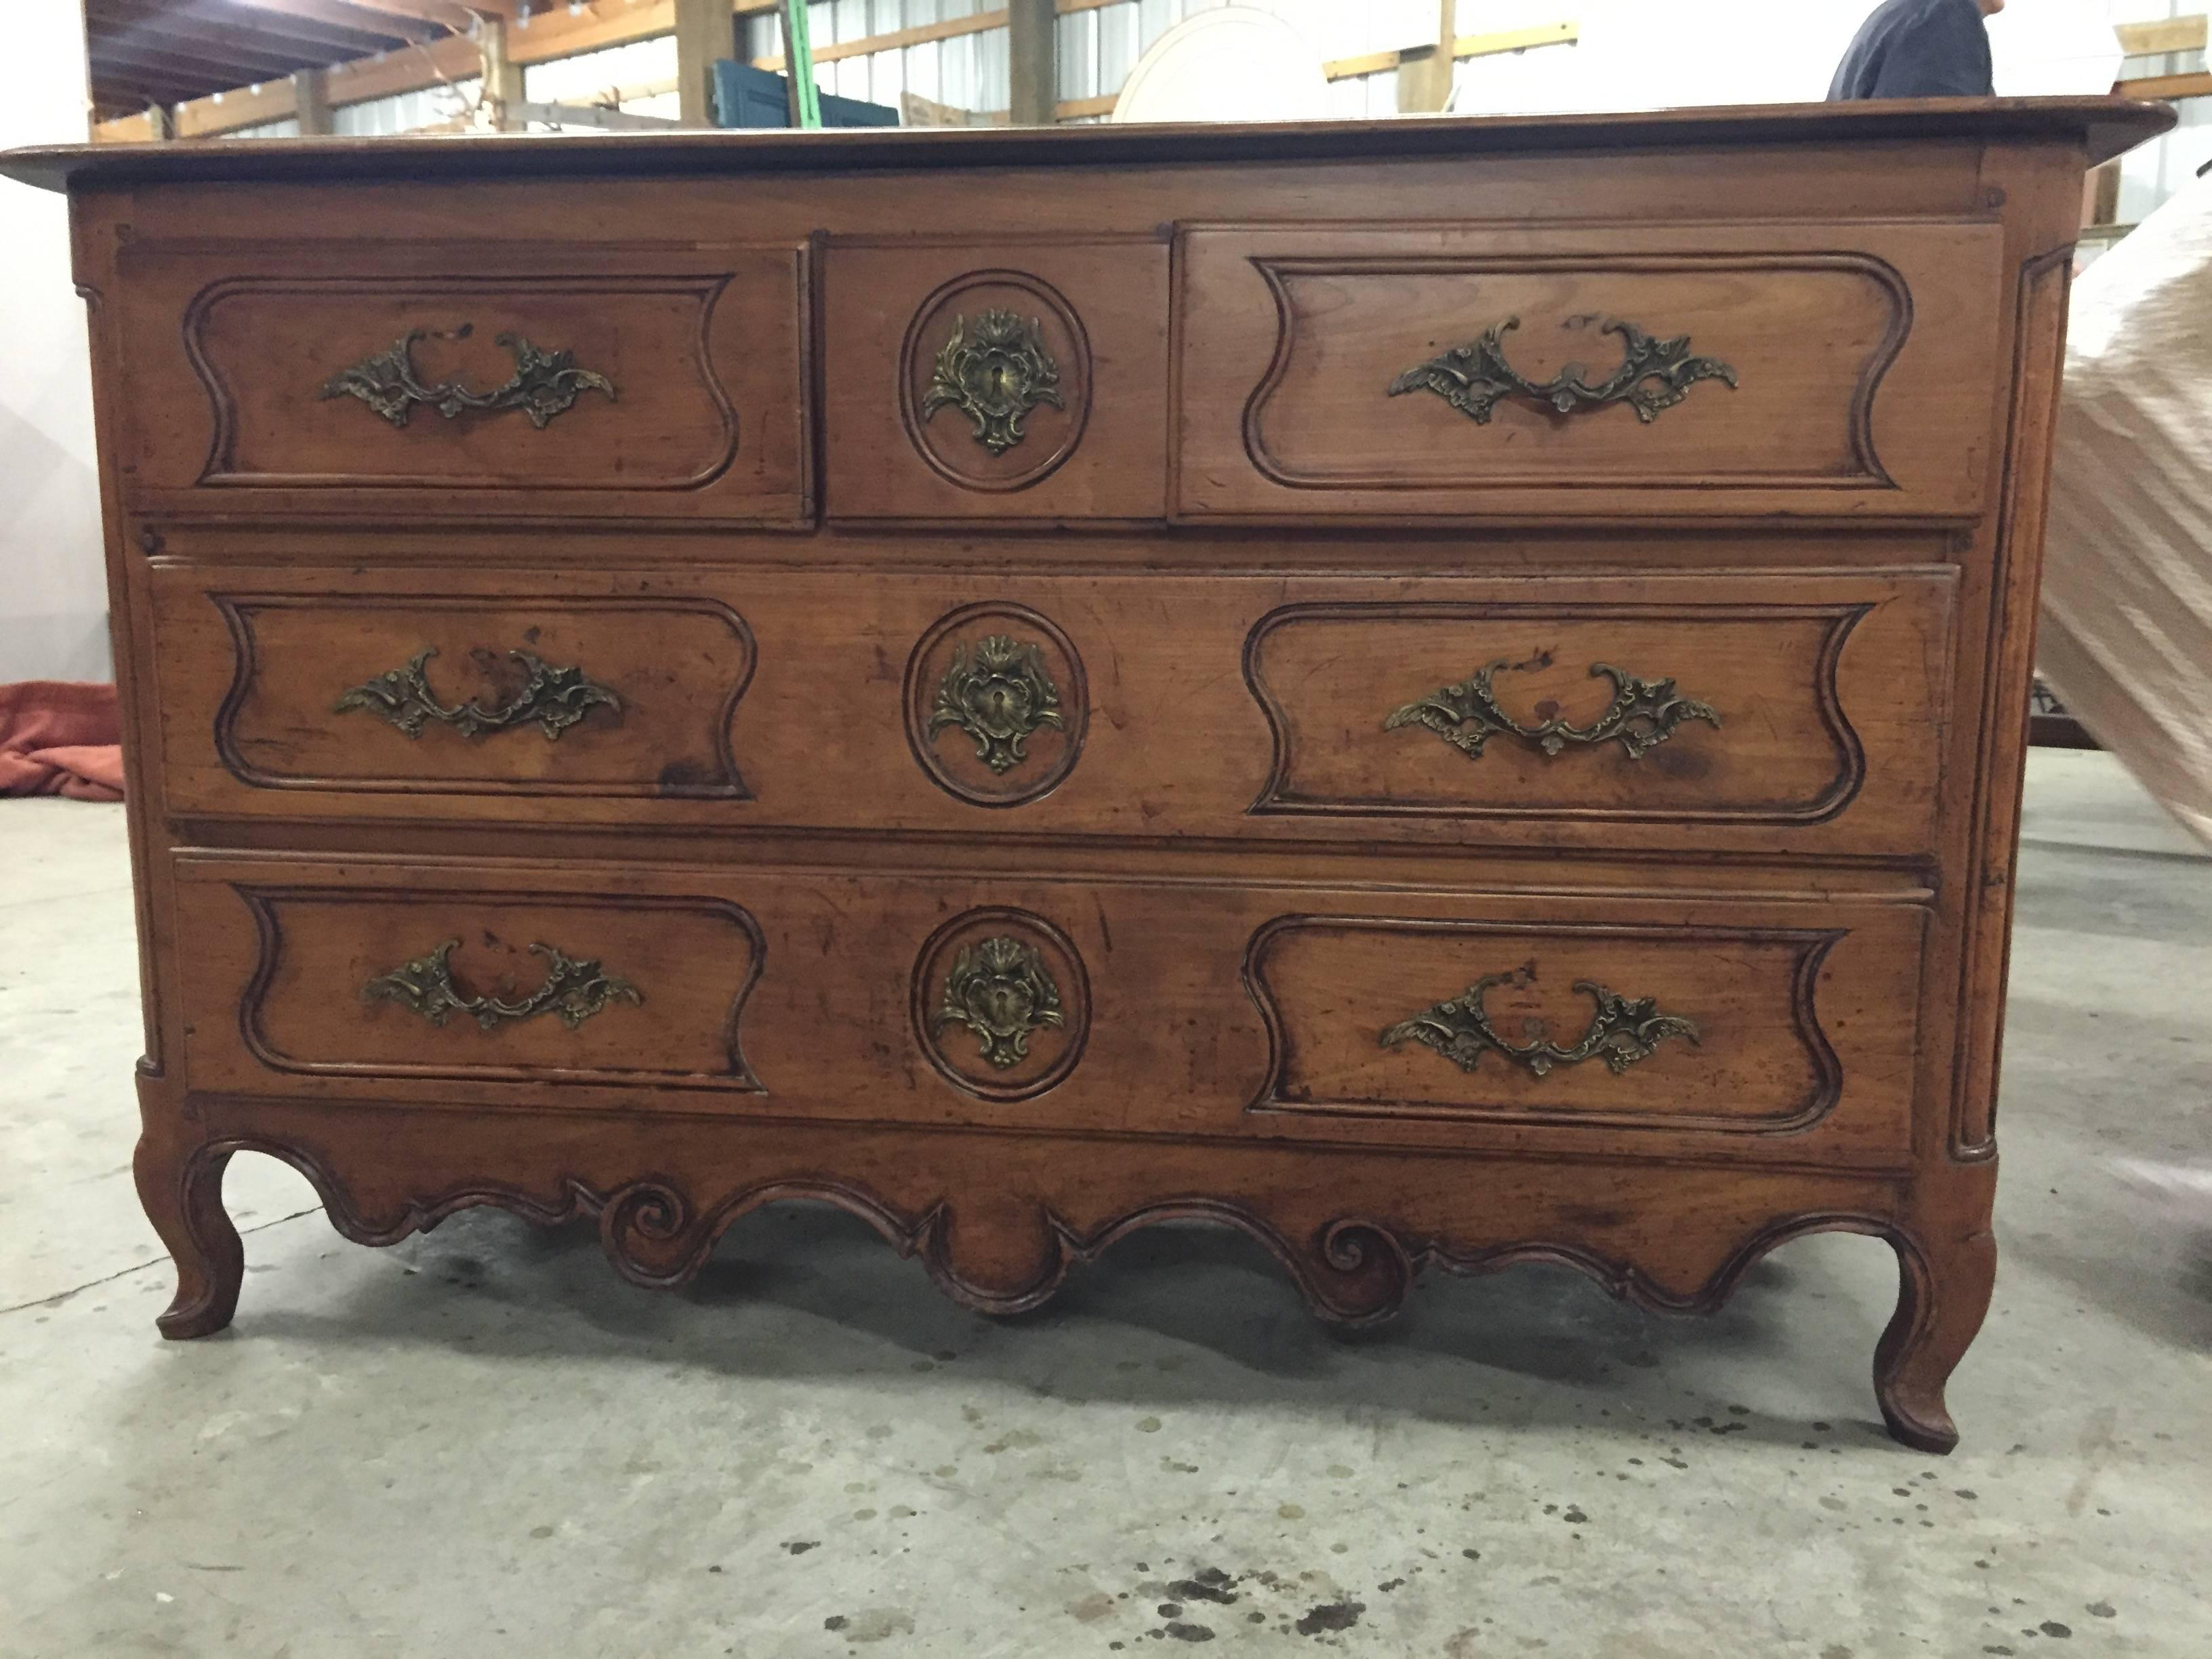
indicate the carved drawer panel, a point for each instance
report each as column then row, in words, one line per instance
column 1691, row 712
column 990, row 380
column 606, row 696
column 1739, row 1026
column 449, row 380
column 1688, row 715
column 1492, row 371
column 1600, row 1019
column 324, row 975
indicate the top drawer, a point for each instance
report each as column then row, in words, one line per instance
column 463, row 381
column 1378, row 372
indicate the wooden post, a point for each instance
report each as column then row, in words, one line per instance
column 704, row 32
column 163, row 120
column 1032, row 62
column 1425, row 83
column 311, row 103
column 502, row 76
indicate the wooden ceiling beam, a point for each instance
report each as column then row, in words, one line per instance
column 249, row 106
column 354, row 17
column 190, row 45
column 446, row 13
column 297, row 42
column 162, row 60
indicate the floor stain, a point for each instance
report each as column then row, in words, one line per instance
column 1331, row 1616
column 873, row 1624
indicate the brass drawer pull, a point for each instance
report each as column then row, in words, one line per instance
column 573, row 989
column 1624, row 1030
column 994, row 375
column 1001, row 991
column 556, row 698
column 1001, row 697
column 1643, row 714
column 544, row 383
column 1654, row 376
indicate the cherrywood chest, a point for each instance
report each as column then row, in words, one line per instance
column 1442, row 693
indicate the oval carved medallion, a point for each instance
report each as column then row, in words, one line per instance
column 996, row 704
column 1002, row 1004
column 994, row 380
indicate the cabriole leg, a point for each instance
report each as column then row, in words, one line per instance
column 182, row 1191
column 1943, row 1291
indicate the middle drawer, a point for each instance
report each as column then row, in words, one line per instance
column 1755, row 713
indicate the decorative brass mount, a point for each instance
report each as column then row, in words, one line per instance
column 1654, row 376
column 1623, row 1030
column 556, row 698
column 1001, row 990
column 544, row 383
column 1643, row 714
column 575, row 990
column 1000, row 697
column 995, row 376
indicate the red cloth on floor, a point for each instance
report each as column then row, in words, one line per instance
column 60, row 738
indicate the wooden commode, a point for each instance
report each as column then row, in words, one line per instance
column 1443, row 693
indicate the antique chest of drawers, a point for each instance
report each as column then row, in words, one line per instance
column 1445, row 694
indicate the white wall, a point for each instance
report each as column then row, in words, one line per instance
column 53, row 595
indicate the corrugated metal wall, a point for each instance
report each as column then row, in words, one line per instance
column 589, row 77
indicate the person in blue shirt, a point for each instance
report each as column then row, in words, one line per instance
column 1920, row 49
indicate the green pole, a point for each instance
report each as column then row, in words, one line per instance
column 799, row 64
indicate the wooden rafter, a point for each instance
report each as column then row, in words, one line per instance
column 350, row 16
column 2169, row 34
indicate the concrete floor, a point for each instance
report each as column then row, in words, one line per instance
column 482, row 1444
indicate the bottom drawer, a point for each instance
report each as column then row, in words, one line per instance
column 1761, row 1029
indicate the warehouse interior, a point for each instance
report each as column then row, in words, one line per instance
column 478, row 1438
